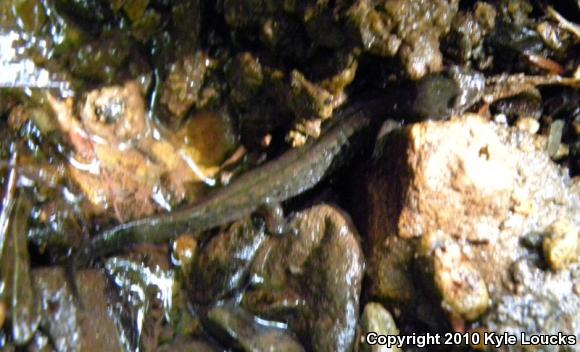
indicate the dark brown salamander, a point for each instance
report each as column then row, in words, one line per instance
column 285, row 177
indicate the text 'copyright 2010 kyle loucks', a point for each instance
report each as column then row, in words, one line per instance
column 469, row 338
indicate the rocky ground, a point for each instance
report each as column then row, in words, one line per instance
column 454, row 208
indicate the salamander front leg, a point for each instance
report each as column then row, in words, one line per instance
column 273, row 215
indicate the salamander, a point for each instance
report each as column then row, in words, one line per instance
column 294, row 172
column 290, row 174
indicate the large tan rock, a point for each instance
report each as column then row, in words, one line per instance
column 455, row 208
column 461, row 177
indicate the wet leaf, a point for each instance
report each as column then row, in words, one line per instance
column 15, row 262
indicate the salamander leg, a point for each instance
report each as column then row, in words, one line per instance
column 273, row 215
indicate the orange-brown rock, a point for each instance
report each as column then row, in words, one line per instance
column 492, row 195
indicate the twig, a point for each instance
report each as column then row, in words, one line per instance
column 504, row 86
column 8, row 200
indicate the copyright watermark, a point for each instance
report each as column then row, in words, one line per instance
column 469, row 338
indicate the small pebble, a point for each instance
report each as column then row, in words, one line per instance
column 375, row 318
column 555, row 137
column 561, row 245
column 528, row 124
column 500, row 119
column 184, row 250
column 562, row 152
column 462, row 290
column 266, row 141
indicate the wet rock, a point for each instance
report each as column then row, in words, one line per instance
column 375, row 318
column 528, row 124
column 435, row 96
column 244, row 333
column 555, row 137
column 488, row 172
column 509, row 40
column 541, row 302
column 144, row 294
column 474, row 192
column 184, row 323
column 527, row 104
column 187, row 345
column 308, row 99
column 206, row 138
column 69, row 327
column 185, row 86
column 314, row 99
column 101, row 60
column 460, row 286
column 471, row 85
column 40, row 343
column 223, row 264
column 311, row 279
column 184, row 251
column 391, row 270
column 516, row 11
column 409, row 29
column 245, row 77
column 552, row 35
column 465, row 39
column 123, row 164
